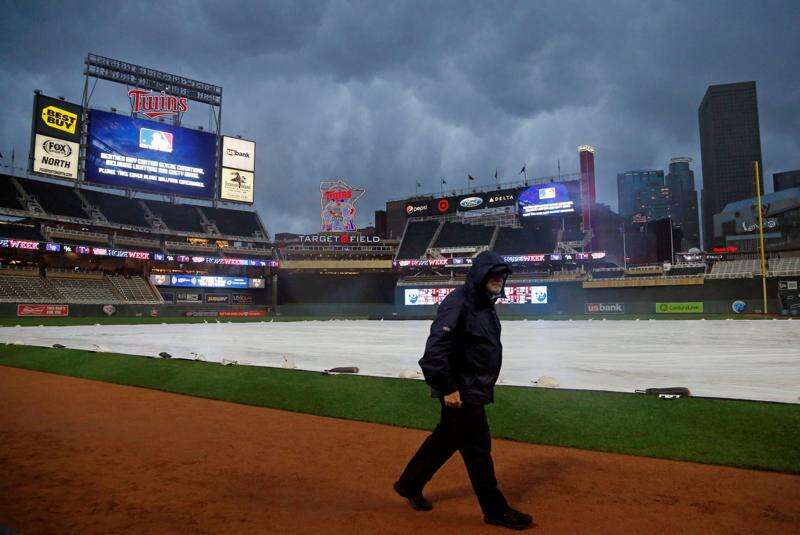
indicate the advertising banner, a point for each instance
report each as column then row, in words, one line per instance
column 55, row 157
column 42, row 310
column 56, row 118
column 515, row 295
column 691, row 307
column 236, row 185
column 468, row 203
column 241, row 299
column 238, row 154
column 243, row 313
column 200, row 281
column 604, row 308
column 217, row 298
column 418, row 208
column 149, row 156
column 201, row 313
column 185, row 297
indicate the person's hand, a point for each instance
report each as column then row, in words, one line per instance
column 453, row 400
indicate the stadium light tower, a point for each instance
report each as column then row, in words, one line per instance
column 586, row 155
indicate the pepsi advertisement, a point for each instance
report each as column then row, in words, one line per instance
column 546, row 199
column 150, row 156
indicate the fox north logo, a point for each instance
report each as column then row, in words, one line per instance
column 60, row 119
column 57, row 148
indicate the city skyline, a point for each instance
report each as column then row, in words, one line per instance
column 387, row 99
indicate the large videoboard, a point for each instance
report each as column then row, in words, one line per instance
column 150, row 156
column 548, row 199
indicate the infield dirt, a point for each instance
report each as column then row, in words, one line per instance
column 81, row 456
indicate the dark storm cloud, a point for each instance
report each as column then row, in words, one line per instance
column 387, row 93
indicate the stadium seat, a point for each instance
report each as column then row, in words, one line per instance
column 117, row 209
column 55, row 198
column 416, row 239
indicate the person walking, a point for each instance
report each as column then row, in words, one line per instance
column 461, row 364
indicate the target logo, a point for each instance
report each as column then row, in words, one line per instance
column 443, row 205
column 344, row 238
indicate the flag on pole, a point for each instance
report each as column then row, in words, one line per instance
column 495, row 174
column 470, row 177
column 418, row 184
column 522, row 171
column 444, row 181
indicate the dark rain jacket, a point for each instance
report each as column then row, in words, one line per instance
column 463, row 351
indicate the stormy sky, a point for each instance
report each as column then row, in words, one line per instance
column 385, row 94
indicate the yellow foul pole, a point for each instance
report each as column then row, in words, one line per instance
column 761, row 239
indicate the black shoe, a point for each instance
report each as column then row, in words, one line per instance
column 510, row 519
column 417, row 501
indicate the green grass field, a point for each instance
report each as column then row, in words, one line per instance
column 727, row 432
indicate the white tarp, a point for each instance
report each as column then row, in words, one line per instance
column 749, row 359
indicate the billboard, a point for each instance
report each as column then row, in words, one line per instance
column 144, row 155
column 546, row 199
column 42, row 310
column 200, row 281
column 515, row 295
column 55, row 157
column 55, row 137
column 236, row 185
column 604, row 308
column 338, row 201
column 57, row 118
column 417, row 208
column 238, row 154
column 691, row 307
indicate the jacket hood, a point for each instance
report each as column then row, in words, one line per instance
column 481, row 266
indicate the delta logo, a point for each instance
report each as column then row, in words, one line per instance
column 60, row 119
column 155, row 105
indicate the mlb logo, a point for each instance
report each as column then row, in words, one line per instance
column 155, row 140
column 547, row 193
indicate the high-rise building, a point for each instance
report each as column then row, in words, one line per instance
column 643, row 195
column 586, row 155
column 730, row 142
column 786, row 180
column 680, row 180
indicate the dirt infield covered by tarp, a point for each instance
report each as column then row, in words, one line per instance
column 80, row 456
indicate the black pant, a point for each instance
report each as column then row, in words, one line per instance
column 466, row 430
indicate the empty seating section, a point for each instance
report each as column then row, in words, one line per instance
column 55, row 198
column 182, row 217
column 462, row 234
column 523, row 241
column 233, row 222
column 686, row 270
column 20, row 232
column 9, row 194
column 783, row 267
column 417, row 237
column 645, row 271
column 16, row 288
column 84, row 290
column 134, row 289
column 117, row 209
column 608, row 273
column 735, row 269
column 66, row 287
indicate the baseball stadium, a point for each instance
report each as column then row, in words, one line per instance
column 170, row 364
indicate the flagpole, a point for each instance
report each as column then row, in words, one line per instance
column 761, row 238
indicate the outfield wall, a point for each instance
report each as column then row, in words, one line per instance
column 571, row 298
